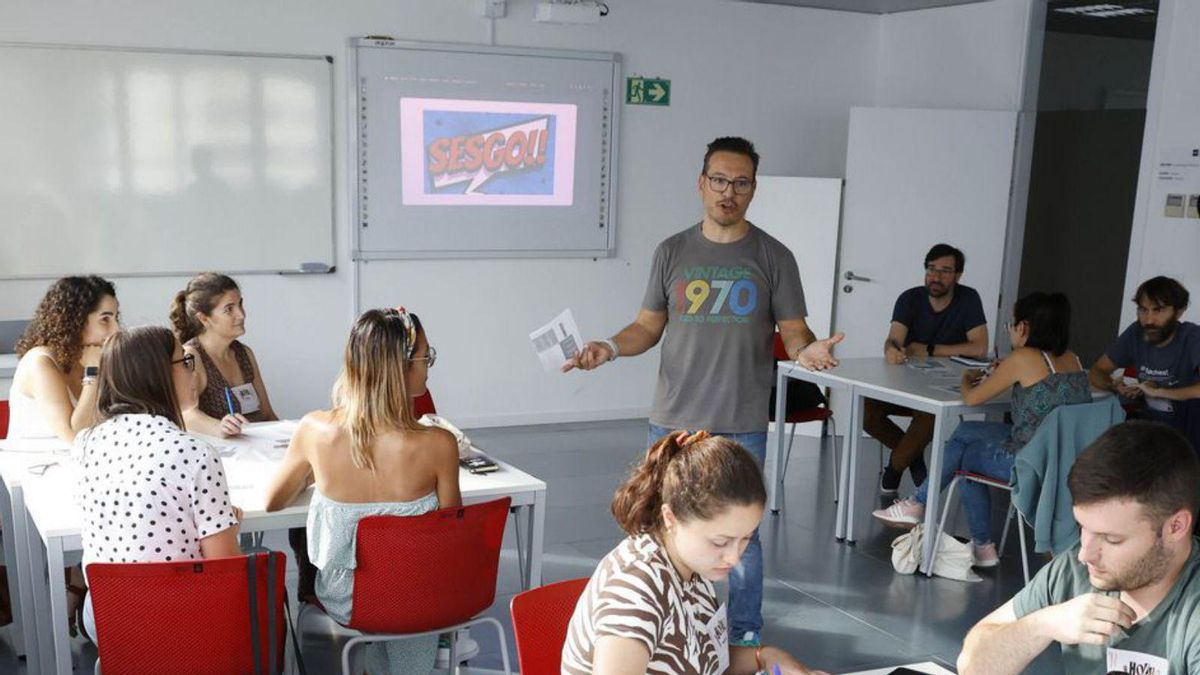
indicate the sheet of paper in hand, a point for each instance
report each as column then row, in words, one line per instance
column 557, row 341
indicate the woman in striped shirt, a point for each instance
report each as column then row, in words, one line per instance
column 690, row 509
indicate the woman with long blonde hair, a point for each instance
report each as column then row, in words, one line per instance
column 368, row 456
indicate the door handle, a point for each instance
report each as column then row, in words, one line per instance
column 851, row 276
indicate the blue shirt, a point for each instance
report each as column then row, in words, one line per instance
column 1173, row 365
column 947, row 327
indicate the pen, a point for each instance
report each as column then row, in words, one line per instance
column 229, row 401
column 775, row 670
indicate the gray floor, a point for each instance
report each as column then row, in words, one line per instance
column 836, row 607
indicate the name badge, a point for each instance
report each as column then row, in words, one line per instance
column 247, row 397
column 1136, row 663
column 718, row 632
column 1159, row 404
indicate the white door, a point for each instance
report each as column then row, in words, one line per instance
column 915, row 178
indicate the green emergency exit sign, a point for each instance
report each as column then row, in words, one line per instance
column 647, row 91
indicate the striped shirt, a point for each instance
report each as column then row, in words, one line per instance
column 637, row 593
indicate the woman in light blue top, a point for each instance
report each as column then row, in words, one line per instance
column 1042, row 374
column 369, row 456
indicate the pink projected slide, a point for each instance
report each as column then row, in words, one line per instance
column 459, row 152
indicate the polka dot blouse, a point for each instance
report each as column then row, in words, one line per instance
column 149, row 492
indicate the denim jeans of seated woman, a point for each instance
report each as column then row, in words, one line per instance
column 977, row 447
column 746, row 580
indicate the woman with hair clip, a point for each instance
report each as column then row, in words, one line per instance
column 1043, row 373
column 690, row 508
column 138, row 460
column 53, row 389
column 208, row 317
column 368, row 456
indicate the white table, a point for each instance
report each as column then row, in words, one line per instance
column 925, row 667
column 16, row 459
column 54, row 526
column 927, row 390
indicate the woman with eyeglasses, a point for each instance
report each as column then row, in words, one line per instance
column 209, row 317
column 1042, row 373
column 369, row 456
column 53, row 389
column 149, row 492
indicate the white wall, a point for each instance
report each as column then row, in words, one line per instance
column 966, row 56
column 1161, row 245
column 782, row 76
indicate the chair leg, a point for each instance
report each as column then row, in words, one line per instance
column 787, row 456
column 503, row 640
column 1024, row 552
column 937, row 537
column 832, row 425
column 1007, row 521
column 453, row 662
column 350, row 644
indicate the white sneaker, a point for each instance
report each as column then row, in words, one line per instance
column 985, row 555
column 903, row 513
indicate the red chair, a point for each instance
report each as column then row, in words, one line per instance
column 221, row 615
column 540, row 617
column 420, row 575
column 3, row 419
column 423, row 405
column 822, row 414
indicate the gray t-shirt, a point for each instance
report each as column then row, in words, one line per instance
column 722, row 302
column 1171, row 632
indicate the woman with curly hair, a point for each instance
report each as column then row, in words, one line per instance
column 54, row 387
column 208, row 318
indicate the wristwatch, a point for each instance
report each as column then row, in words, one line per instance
column 90, row 373
column 612, row 344
column 929, row 349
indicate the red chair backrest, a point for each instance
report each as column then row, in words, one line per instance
column 540, row 617
column 423, row 405
column 420, row 573
column 780, row 349
column 3, row 419
column 187, row 617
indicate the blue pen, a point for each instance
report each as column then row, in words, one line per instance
column 775, row 670
column 229, row 401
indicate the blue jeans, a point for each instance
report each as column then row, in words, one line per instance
column 977, row 447
column 746, row 580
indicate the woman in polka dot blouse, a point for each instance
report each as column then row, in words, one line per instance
column 149, row 492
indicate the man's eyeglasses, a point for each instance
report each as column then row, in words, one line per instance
column 940, row 271
column 741, row 186
column 188, row 361
column 430, row 357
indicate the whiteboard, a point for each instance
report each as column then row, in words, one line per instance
column 413, row 98
column 804, row 214
column 140, row 162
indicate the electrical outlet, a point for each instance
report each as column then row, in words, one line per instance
column 491, row 9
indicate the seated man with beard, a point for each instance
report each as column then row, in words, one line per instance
column 1164, row 350
column 1127, row 599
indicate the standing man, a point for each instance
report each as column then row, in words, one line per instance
column 1127, row 598
column 1164, row 350
column 722, row 285
column 941, row 318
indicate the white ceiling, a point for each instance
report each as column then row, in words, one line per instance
column 869, row 6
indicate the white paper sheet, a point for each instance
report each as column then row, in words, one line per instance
column 557, row 341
